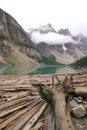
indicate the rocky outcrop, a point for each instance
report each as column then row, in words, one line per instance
column 68, row 56
column 80, row 37
column 42, row 29
column 44, row 48
column 65, row 32
column 10, row 29
column 12, row 35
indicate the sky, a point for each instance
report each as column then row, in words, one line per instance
column 70, row 14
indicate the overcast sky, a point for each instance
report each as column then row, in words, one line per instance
column 70, row 14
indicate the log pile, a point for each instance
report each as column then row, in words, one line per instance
column 21, row 103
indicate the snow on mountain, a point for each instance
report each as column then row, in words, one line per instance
column 64, row 48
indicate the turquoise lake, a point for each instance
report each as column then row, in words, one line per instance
column 45, row 69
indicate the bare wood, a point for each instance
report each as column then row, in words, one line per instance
column 25, row 119
column 81, row 91
column 16, row 96
column 37, row 126
column 52, row 81
column 62, row 116
column 32, row 121
column 10, row 110
column 17, row 84
column 11, row 119
column 8, row 104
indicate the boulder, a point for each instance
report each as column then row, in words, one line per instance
column 78, row 111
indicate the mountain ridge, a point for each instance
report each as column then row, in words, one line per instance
column 62, row 44
column 19, row 48
column 13, row 36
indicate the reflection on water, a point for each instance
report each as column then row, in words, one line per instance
column 46, row 69
column 17, row 70
column 2, row 68
column 53, row 69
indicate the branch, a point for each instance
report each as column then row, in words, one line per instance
column 45, row 92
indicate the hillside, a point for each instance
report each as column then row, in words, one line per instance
column 81, row 63
column 15, row 46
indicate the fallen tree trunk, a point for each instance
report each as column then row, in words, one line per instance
column 82, row 91
column 56, row 95
column 62, row 116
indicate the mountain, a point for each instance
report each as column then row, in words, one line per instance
column 81, row 38
column 43, row 29
column 64, row 53
column 65, row 47
column 15, row 46
column 39, row 45
column 49, row 35
column 65, row 32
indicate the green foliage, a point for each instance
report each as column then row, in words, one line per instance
column 10, row 70
column 3, row 37
column 49, row 60
column 81, row 63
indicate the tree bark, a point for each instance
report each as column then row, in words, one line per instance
column 62, row 115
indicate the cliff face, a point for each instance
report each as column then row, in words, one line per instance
column 11, row 29
column 13, row 36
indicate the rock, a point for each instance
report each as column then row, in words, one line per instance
column 79, row 99
column 79, row 126
column 65, row 32
column 85, row 106
column 78, row 111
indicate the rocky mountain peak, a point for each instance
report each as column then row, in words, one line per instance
column 65, row 32
column 47, row 28
column 43, row 29
column 80, row 37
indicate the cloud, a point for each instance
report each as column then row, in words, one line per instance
column 50, row 38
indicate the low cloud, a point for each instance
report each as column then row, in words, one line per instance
column 50, row 38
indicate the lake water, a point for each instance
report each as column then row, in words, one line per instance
column 52, row 69
column 46, row 69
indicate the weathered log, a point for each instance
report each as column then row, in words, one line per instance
column 62, row 116
column 58, row 99
column 15, row 96
column 11, row 119
column 32, row 121
column 23, row 121
column 37, row 126
column 81, row 91
column 10, row 85
column 12, row 103
column 10, row 110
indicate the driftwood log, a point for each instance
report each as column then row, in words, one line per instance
column 57, row 94
column 23, row 99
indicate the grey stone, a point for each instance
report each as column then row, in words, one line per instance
column 79, row 111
